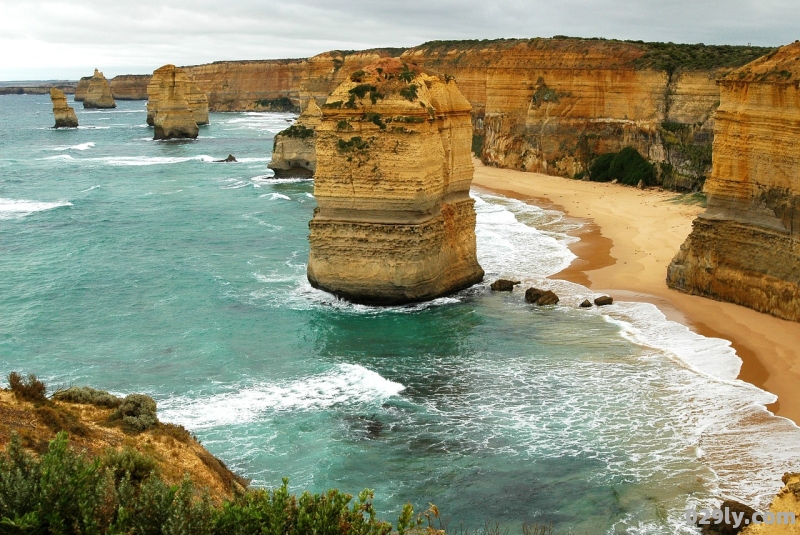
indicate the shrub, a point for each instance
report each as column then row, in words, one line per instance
column 477, row 144
column 129, row 463
column 410, row 92
column 627, row 166
column 355, row 143
column 357, row 76
column 361, row 90
column 30, row 389
column 298, row 131
column 374, row 118
column 137, row 413
column 88, row 396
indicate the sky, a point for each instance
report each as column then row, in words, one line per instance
column 56, row 39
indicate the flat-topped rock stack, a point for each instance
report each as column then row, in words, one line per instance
column 98, row 93
column 63, row 113
column 395, row 222
column 746, row 247
column 170, row 75
column 293, row 152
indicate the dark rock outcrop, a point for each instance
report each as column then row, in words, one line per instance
column 230, row 159
column 726, row 527
column 586, row 304
column 603, row 300
column 535, row 296
column 504, row 285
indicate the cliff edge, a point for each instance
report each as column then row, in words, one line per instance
column 746, row 247
column 63, row 113
column 395, row 222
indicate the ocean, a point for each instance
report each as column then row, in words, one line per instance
column 134, row 265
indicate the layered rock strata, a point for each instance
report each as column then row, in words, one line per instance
column 130, row 86
column 172, row 117
column 98, row 93
column 746, row 247
column 80, row 89
column 167, row 77
column 293, row 151
column 395, row 222
column 63, row 113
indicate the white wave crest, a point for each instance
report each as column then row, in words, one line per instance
column 274, row 196
column 16, row 208
column 83, row 146
column 345, row 384
column 152, row 160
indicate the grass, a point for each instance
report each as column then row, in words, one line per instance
column 697, row 198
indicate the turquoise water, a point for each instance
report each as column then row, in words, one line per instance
column 140, row 266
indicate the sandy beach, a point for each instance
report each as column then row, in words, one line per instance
column 629, row 239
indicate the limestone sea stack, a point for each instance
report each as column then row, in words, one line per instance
column 173, row 118
column 293, row 152
column 80, row 89
column 395, row 222
column 170, row 75
column 64, row 114
column 745, row 248
column 98, row 93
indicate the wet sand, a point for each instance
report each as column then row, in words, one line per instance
column 628, row 240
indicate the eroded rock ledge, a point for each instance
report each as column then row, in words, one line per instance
column 293, row 151
column 395, row 223
column 745, row 247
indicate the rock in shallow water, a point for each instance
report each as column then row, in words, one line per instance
column 539, row 297
column 504, row 285
column 64, row 114
column 603, row 300
column 586, row 304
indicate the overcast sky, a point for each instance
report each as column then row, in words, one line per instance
column 46, row 39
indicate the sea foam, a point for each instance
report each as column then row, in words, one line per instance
column 16, row 208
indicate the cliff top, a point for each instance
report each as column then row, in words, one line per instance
column 668, row 57
column 781, row 65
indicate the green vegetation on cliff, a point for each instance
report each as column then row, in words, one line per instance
column 626, row 166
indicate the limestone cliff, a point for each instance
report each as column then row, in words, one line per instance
column 98, row 93
column 394, row 222
column 64, row 114
column 746, row 247
column 787, row 501
column 552, row 105
column 130, row 86
column 170, row 78
column 293, row 150
column 80, row 89
column 168, row 106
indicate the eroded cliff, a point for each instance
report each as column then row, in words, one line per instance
column 130, row 86
column 293, row 151
column 394, row 222
column 169, row 83
column 745, row 248
column 98, row 93
column 64, row 115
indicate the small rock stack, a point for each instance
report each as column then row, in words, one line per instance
column 64, row 114
column 98, row 93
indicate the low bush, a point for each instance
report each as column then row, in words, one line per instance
column 27, row 389
column 88, row 396
column 298, row 131
column 410, row 92
column 137, row 413
column 626, row 166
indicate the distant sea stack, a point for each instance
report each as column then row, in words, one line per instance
column 80, row 90
column 745, row 248
column 98, row 93
column 64, row 114
column 293, row 152
column 395, row 222
column 171, row 76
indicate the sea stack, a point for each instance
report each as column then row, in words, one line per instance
column 395, row 222
column 98, row 93
column 64, row 114
column 170, row 75
column 745, row 247
column 173, row 118
column 293, row 152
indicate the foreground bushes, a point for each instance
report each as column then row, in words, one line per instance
column 65, row 492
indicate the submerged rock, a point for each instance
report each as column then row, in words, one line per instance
column 294, row 152
column 64, row 114
column 539, row 297
column 603, row 300
column 504, row 285
column 229, row 159
column 729, row 525
column 395, row 222
column 98, row 93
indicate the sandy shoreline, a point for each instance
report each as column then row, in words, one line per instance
column 625, row 248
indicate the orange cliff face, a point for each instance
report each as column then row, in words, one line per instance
column 552, row 105
column 746, row 247
column 130, row 86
